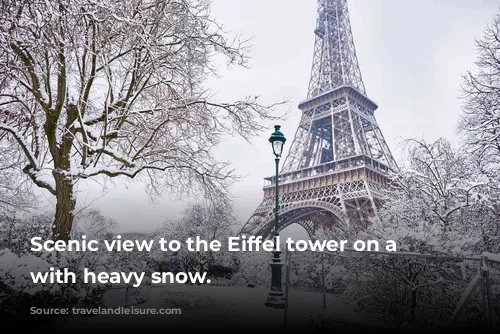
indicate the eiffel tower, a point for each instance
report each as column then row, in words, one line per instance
column 337, row 172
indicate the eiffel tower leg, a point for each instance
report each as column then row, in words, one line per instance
column 372, row 200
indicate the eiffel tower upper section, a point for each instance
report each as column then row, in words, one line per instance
column 337, row 170
column 338, row 122
column 335, row 62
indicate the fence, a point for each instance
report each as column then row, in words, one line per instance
column 397, row 288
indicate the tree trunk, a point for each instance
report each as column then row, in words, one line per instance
column 63, row 221
column 413, row 305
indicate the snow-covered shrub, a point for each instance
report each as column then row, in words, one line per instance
column 15, row 233
column 305, row 271
column 208, row 221
column 23, row 293
column 17, row 261
column 252, row 269
column 405, row 288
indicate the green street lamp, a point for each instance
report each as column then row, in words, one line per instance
column 276, row 298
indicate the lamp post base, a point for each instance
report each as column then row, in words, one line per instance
column 276, row 297
column 276, row 301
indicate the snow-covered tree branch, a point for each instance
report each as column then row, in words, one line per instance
column 442, row 179
column 115, row 88
column 480, row 123
column 209, row 222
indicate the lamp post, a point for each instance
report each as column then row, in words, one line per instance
column 276, row 298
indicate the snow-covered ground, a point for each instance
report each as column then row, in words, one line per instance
column 232, row 307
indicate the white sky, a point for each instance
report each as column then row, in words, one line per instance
column 412, row 54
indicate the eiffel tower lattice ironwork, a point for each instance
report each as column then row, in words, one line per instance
column 337, row 172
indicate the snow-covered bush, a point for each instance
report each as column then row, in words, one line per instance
column 405, row 288
column 207, row 221
column 17, row 262
column 23, row 292
column 15, row 233
column 252, row 269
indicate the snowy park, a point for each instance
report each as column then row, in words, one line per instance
column 317, row 165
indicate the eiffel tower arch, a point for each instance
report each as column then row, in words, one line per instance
column 337, row 172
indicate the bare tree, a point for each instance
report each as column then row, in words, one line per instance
column 480, row 127
column 115, row 88
column 93, row 224
column 441, row 179
column 209, row 221
column 480, row 123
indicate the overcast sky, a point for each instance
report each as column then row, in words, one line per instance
column 412, row 54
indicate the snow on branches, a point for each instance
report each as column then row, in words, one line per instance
column 480, row 124
column 441, row 178
column 116, row 88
